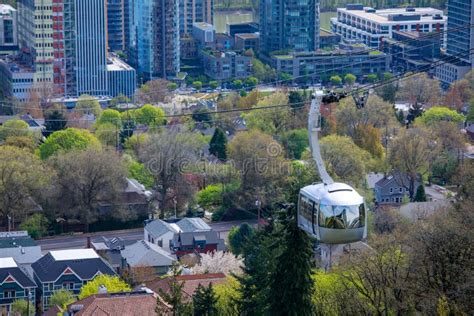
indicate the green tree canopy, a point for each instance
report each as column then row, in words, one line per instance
column 296, row 142
column 66, row 140
column 237, row 84
column 211, row 196
column 150, row 115
column 36, row 226
column 336, row 80
column 372, row 78
column 113, row 284
column 270, row 121
column 438, row 113
column 238, row 237
column 87, row 104
column 108, row 134
column 197, row 85
column 251, row 82
column 350, row 79
column 213, row 84
column 55, row 120
column 120, row 99
column 420, row 195
column 14, row 128
column 62, row 298
column 110, row 116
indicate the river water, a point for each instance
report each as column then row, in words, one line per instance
column 221, row 18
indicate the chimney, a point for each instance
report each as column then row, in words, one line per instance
column 102, row 289
column 88, row 242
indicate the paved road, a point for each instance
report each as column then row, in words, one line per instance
column 80, row 241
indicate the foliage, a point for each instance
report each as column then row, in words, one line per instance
column 251, row 82
column 62, row 298
column 23, row 176
column 139, row 172
column 372, row 78
column 349, row 79
column 172, row 86
column 296, row 99
column 227, row 295
column 438, row 113
column 202, row 115
column 238, row 236
column 420, row 195
column 113, row 284
column 388, row 92
column 291, row 282
column 420, row 90
column 368, row 137
column 152, row 92
column 336, row 80
column 197, row 85
column 36, row 226
column 87, row 104
column 108, row 134
column 150, row 115
column 262, row 72
column 270, row 121
column 55, row 120
column 237, row 84
column 120, row 99
column 411, row 152
column 23, row 142
column 219, row 262
column 285, row 77
column 166, row 154
column 470, row 113
column 295, row 142
column 345, row 159
column 14, row 128
column 213, row 84
column 67, row 140
column 218, row 144
column 444, row 167
column 331, row 296
column 20, row 307
column 173, row 297
column 205, row 301
column 86, row 179
column 210, row 197
column 110, row 116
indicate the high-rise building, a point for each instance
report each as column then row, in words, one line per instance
column 35, row 36
column 154, row 38
column 80, row 50
column 460, row 41
column 116, row 14
column 289, row 25
column 8, row 30
column 194, row 11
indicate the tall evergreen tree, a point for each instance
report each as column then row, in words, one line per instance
column 259, row 259
column 218, row 144
column 204, row 301
column 420, row 195
column 174, row 297
column 54, row 121
column 291, row 284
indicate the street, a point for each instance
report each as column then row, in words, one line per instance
column 80, row 241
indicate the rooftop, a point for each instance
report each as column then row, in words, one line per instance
column 116, row 64
column 382, row 16
column 74, row 254
column 7, row 263
column 5, row 9
column 204, row 26
column 248, row 35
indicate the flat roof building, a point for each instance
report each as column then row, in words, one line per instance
column 369, row 26
column 16, row 79
column 121, row 77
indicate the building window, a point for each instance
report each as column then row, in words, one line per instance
column 9, row 294
column 68, row 285
column 401, row 190
column 391, row 190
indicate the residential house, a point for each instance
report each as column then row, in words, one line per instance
column 67, row 269
column 109, row 249
column 14, row 284
column 372, row 178
column 138, row 303
column 392, row 188
column 161, row 233
column 134, row 198
column 196, row 242
column 145, row 254
column 191, row 283
column 21, row 247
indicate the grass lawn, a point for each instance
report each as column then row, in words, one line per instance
column 325, row 16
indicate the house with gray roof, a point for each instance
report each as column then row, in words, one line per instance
column 21, row 247
column 109, row 249
column 67, row 269
column 161, row 233
column 197, row 242
column 392, row 188
column 15, row 283
column 145, row 254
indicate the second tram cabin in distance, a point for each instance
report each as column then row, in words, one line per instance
column 334, row 213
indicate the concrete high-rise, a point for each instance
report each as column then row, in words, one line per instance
column 289, row 25
column 154, row 38
column 35, row 36
column 194, row 11
column 460, row 41
column 8, row 30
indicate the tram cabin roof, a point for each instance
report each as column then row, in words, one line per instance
column 333, row 194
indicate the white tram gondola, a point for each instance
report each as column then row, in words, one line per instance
column 333, row 213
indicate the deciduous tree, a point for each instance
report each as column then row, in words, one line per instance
column 87, row 104
column 67, row 140
column 113, row 284
column 152, row 92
